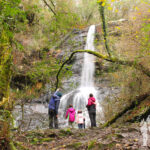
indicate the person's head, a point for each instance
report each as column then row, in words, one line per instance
column 58, row 89
column 59, row 94
column 70, row 105
column 91, row 95
column 79, row 111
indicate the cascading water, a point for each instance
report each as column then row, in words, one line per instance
column 79, row 96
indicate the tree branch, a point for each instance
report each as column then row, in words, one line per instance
column 52, row 3
column 49, row 7
column 134, row 104
column 138, row 66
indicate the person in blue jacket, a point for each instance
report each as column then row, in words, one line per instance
column 53, row 109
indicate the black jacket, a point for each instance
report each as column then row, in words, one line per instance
column 91, row 108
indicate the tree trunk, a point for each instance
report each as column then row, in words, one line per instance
column 102, row 13
column 5, row 77
column 134, row 104
column 5, row 67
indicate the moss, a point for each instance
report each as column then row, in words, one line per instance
column 74, row 145
column 46, row 139
column 81, row 134
column 106, row 146
column 65, row 132
column 12, row 146
column 38, row 138
column 19, row 145
column 91, row 144
column 34, row 141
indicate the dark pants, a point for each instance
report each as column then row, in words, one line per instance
column 80, row 126
column 92, row 116
column 53, row 120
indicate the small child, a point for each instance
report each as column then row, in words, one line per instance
column 70, row 114
column 80, row 120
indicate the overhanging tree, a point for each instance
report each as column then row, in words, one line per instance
column 108, row 57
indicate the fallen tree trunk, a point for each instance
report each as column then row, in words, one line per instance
column 135, row 103
column 141, row 116
column 138, row 66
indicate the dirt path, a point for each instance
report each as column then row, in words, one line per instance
column 124, row 137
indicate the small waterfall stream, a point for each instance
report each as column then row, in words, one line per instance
column 79, row 96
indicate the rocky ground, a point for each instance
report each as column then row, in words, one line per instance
column 122, row 137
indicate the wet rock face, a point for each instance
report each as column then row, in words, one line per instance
column 75, row 42
column 35, row 116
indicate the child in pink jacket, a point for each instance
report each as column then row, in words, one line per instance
column 70, row 114
column 80, row 120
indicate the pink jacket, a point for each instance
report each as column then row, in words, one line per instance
column 80, row 118
column 91, row 101
column 71, row 113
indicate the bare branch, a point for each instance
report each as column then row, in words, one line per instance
column 49, row 7
column 52, row 3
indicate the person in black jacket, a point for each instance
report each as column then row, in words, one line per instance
column 91, row 106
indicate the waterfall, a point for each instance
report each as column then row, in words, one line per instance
column 88, row 65
column 79, row 96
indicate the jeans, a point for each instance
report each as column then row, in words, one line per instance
column 53, row 120
column 92, row 116
column 80, row 126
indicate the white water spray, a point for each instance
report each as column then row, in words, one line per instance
column 79, row 97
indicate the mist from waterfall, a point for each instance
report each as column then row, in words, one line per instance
column 79, row 97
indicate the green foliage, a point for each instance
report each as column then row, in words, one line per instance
column 145, row 38
column 88, row 11
column 91, row 144
column 64, row 21
column 10, row 15
column 46, row 70
column 118, row 9
column 65, row 132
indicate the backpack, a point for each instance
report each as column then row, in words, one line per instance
column 71, row 116
column 52, row 103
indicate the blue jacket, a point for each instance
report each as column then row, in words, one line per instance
column 57, row 95
column 54, row 101
column 51, row 103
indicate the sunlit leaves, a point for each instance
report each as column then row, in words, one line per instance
column 136, row 8
column 110, row 8
column 102, row 2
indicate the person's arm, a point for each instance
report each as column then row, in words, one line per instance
column 55, row 95
column 89, row 102
column 67, row 114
